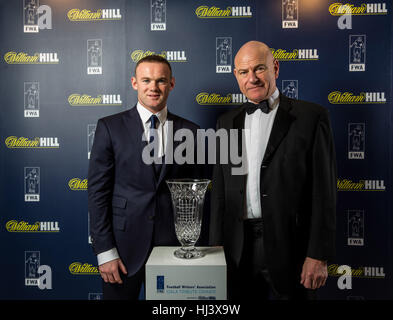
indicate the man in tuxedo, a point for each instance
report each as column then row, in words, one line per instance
column 129, row 202
column 277, row 221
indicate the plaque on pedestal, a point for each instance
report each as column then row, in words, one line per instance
column 171, row 278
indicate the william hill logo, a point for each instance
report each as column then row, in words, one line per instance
column 205, row 12
column 362, row 185
column 85, row 15
column 85, row 100
column 13, row 142
column 25, row 227
column 295, row 54
column 205, row 98
column 172, row 56
column 13, row 57
column 77, row 184
column 83, row 269
column 359, row 272
column 337, row 97
column 338, row 9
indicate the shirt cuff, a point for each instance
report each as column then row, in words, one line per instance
column 107, row 256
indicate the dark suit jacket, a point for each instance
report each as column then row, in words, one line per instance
column 129, row 208
column 298, row 193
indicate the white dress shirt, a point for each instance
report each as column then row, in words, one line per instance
column 258, row 127
column 162, row 131
column 162, row 128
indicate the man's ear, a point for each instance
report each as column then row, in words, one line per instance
column 276, row 68
column 172, row 82
column 134, row 83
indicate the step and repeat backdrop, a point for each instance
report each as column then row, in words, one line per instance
column 65, row 64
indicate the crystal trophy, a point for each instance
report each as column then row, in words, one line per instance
column 187, row 199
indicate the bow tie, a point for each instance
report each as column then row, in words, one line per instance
column 251, row 107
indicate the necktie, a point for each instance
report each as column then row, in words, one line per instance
column 153, row 125
column 251, row 107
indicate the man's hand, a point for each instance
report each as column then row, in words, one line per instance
column 314, row 273
column 110, row 271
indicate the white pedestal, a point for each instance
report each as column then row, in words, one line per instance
column 171, row 278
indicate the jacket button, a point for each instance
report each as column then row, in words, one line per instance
column 151, row 217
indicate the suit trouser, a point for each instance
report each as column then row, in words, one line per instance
column 252, row 279
column 128, row 290
column 131, row 286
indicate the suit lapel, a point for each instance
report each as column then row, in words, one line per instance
column 281, row 125
column 133, row 123
column 238, row 123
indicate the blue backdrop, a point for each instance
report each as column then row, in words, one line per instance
column 66, row 64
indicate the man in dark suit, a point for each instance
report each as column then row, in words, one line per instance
column 277, row 221
column 129, row 202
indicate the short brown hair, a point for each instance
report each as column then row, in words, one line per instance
column 154, row 58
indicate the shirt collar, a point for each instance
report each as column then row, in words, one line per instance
column 274, row 99
column 146, row 114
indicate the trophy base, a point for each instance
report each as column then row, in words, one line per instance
column 191, row 253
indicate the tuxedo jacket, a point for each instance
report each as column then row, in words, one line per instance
column 130, row 208
column 298, row 193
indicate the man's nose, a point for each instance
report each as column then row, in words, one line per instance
column 153, row 85
column 252, row 77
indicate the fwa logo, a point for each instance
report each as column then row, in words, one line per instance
column 290, row 14
column 36, row 17
column 357, row 52
column 356, row 140
column 355, row 227
column 223, row 54
column 94, row 56
column 35, row 273
column 32, row 99
column 32, row 184
column 290, row 88
column 157, row 15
